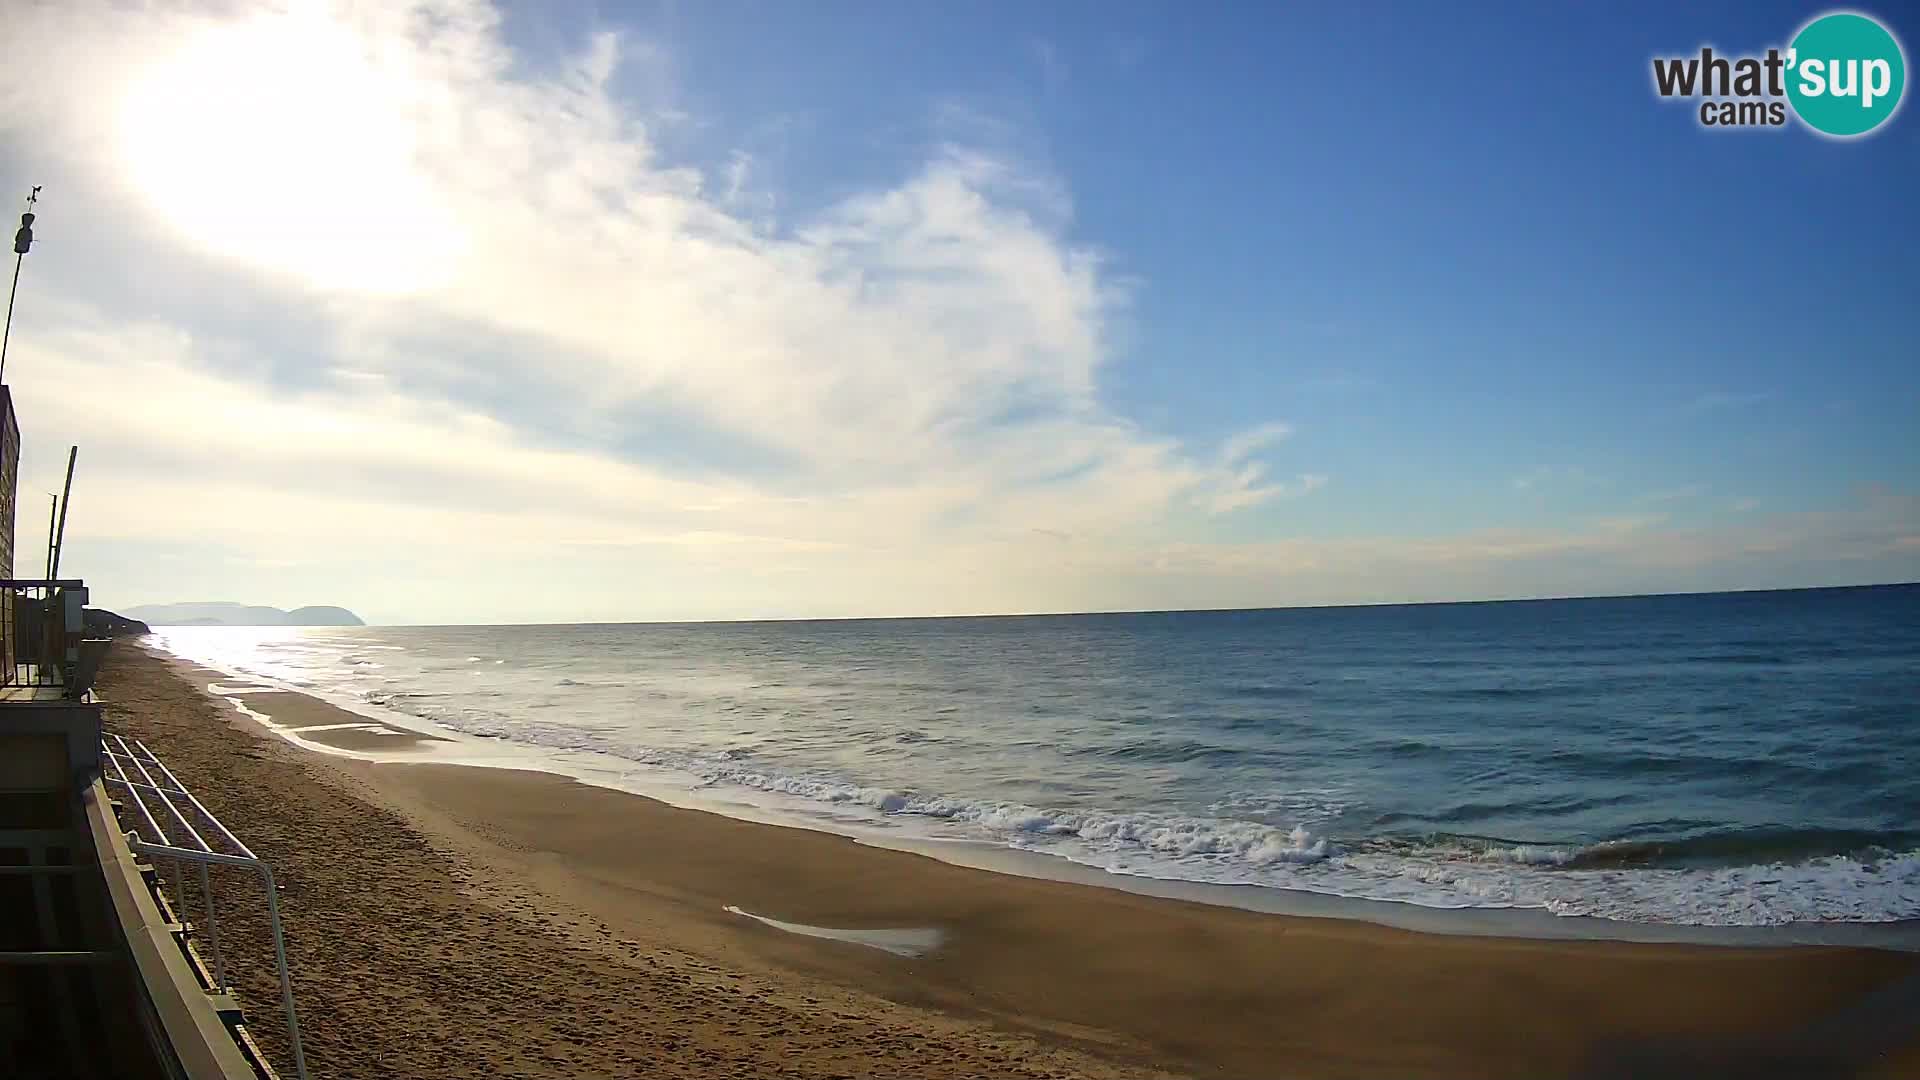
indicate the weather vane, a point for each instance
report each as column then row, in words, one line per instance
column 22, row 241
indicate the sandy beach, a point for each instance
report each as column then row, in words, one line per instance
column 452, row 921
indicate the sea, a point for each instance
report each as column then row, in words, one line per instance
column 1731, row 759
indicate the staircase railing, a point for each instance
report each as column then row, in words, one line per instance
column 155, row 795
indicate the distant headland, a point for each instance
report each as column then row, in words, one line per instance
column 228, row 613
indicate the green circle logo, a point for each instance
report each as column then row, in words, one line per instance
column 1845, row 74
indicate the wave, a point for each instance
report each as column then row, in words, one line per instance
column 1873, row 881
column 1766, row 845
column 1606, row 764
column 1175, row 835
column 1165, row 751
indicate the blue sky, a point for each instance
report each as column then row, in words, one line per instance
column 1481, row 315
column 1465, row 245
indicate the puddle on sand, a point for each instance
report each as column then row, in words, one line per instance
column 913, row 941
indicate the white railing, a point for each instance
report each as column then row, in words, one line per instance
column 155, row 795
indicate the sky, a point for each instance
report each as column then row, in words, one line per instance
column 460, row 312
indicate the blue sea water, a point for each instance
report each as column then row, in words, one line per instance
column 1739, row 758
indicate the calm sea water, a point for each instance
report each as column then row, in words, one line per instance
column 1719, row 759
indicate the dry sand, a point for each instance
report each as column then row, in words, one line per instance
column 451, row 921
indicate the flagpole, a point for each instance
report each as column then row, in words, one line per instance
column 22, row 240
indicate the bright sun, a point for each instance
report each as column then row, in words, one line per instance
column 276, row 142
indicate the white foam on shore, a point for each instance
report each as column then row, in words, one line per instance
column 260, row 718
column 227, row 690
column 909, row 942
column 370, row 728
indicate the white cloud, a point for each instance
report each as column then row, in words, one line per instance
column 1240, row 446
column 1241, row 482
column 914, row 369
column 1246, row 489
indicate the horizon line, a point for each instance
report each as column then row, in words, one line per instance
column 1070, row 614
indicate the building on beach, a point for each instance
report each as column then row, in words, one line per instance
column 101, row 972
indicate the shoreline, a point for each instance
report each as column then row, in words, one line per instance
column 412, row 739
column 1112, row 978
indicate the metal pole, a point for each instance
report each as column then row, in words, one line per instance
column 52, row 511
column 60, row 539
column 213, row 931
column 8, row 334
column 286, row 983
column 22, row 240
column 181, row 910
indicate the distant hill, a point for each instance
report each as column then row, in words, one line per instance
column 103, row 623
column 323, row 615
column 227, row 613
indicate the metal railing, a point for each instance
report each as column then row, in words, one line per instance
column 43, row 635
column 154, row 794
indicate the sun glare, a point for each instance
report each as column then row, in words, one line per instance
column 277, row 143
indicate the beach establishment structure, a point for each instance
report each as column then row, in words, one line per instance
column 102, row 974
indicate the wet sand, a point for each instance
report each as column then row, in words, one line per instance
column 453, row 921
